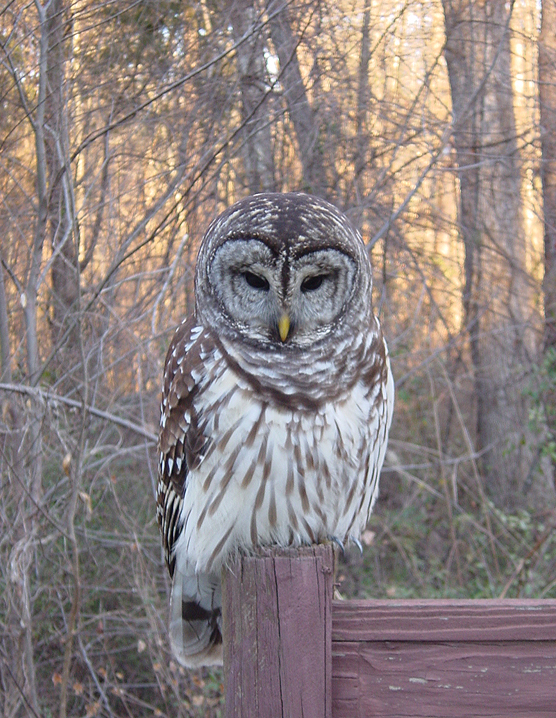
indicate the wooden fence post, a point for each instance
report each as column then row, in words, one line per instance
column 277, row 626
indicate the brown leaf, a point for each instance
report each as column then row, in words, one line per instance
column 92, row 709
column 88, row 503
column 141, row 645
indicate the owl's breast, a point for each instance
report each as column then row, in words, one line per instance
column 276, row 476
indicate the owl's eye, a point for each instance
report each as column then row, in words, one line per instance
column 309, row 284
column 257, row 282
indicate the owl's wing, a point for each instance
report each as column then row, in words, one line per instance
column 181, row 442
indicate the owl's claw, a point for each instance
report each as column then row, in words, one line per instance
column 336, row 540
column 357, row 542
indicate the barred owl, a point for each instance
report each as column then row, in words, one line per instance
column 277, row 402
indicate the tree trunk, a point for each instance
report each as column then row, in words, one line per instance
column 258, row 159
column 24, row 448
column 302, row 115
column 5, row 355
column 497, row 296
column 64, row 271
column 547, row 97
column 547, row 102
column 363, row 98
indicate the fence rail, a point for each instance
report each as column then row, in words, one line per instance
column 444, row 658
column 290, row 650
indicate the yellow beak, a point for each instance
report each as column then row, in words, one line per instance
column 284, row 327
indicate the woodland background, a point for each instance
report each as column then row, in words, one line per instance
column 125, row 126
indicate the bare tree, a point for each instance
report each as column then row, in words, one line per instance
column 497, row 295
column 303, row 116
column 61, row 223
column 124, row 129
column 547, row 104
column 257, row 150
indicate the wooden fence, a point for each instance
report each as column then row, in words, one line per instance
column 291, row 651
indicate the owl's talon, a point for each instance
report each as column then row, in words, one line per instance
column 339, row 544
column 357, row 542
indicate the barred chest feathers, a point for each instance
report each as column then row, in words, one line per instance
column 277, row 401
column 273, row 475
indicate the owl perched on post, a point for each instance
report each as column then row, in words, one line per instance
column 276, row 404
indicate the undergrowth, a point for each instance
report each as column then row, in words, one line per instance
column 434, row 534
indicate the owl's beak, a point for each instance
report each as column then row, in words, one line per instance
column 284, row 327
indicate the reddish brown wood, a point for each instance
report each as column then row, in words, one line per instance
column 390, row 659
column 429, row 680
column 277, row 610
column 444, row 658
column 445, row 620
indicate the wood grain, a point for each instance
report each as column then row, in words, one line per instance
column 277, row 613
column 444, row 659
column 445, row 620
column 290, row 651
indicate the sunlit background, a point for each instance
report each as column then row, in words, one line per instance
column 125, row 127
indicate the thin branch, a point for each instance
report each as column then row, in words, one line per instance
column 48, row 396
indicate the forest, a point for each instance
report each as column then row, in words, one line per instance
column 126, row 126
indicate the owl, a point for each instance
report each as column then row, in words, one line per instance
column 276, row 404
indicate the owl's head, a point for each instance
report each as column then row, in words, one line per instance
column 284, row 270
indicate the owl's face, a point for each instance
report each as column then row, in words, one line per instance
column 282, row 270
column 281, row 296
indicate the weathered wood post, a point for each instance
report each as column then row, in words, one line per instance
column 277, row 623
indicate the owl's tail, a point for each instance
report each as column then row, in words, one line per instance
column 196, row 619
